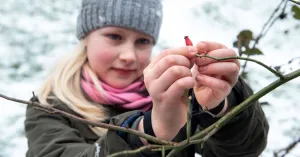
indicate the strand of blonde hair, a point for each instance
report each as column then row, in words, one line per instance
column 64, row 83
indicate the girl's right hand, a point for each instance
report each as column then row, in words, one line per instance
column 166, row 79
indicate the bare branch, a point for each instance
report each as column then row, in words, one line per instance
column 248, row 59
column 295, row 1
column 189, row 118
column 287, row 63
column 130, row 152
column 206, row 137
column 263, row 32
column 286, row 150
column 53, row 110
column 236, row 110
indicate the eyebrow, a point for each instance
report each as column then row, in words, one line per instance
column 123, row 30
column 117, row 30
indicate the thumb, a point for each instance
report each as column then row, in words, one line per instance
column 198, row 79
column 195, row 73
column 192, row 62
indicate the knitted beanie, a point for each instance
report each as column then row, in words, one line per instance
column 140, row 15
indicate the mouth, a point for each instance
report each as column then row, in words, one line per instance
column 123, row 71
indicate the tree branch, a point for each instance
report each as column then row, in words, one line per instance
column 248, row 59
column 295, row 1
column 236, row 110
column 189, row 118
column 263, row 32
column 52, row 110
column 289, row 62
column 200, row 141
column 130, row 152
column 287, row 149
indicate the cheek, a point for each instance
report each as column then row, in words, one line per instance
column 100, row 62
column 101, row 56
column 98, row 55
column 144, row 60
column 98, row 51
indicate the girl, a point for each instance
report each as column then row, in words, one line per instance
column 109, row 77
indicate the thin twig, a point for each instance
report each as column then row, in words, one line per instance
column 248, row 59
column 287, row 149
column 130, row 152
column 278, row 17
column 290, row 61
column 53, row 110
column 206, row 137
column 263, row 32
column 161, row 148
column 295, row 1
column 163, row 151
column 268, row 21
column 189, row 118
column 176, row 150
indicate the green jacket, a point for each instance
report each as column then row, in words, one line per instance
column 52, row 135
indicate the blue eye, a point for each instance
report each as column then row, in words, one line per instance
column 114, row 36
column 143, row 41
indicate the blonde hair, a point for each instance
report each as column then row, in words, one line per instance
column 64, row 83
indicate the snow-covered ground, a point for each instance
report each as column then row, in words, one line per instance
column 34, row 34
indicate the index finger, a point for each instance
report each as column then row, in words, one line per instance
column 207, row 46
column 187, row 51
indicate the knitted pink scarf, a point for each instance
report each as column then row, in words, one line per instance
column 129, row 98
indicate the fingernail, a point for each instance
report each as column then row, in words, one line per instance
column 201, row 46
column 201, row 69
column 199, row 78
column 192, row 49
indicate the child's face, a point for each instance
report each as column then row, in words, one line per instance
column 118, row 55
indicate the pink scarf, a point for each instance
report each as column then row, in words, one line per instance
column 129, row 98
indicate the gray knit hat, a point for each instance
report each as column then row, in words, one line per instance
column 141, row 15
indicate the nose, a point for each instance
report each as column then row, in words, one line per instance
column 128, row 53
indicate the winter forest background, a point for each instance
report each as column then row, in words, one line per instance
column 34, row 34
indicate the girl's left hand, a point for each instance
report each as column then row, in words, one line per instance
column 214, row 79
